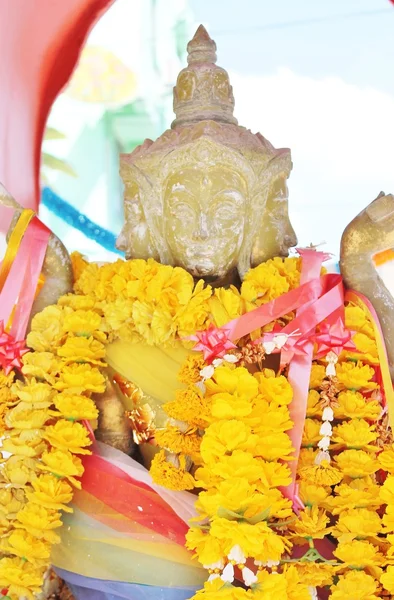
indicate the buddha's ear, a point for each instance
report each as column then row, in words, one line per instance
column 254, row 226
column 149, row 199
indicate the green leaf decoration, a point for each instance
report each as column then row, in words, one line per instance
column 53, row 134
column 57, row 164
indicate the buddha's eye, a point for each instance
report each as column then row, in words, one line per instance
column 182, row 211
column 225, row 212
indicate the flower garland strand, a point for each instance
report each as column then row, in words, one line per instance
column 227, row 435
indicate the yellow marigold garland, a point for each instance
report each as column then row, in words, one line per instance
column 227, row 435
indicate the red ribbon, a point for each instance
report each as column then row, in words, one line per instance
column 131, row 498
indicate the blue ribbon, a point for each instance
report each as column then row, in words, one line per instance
column 77, row 220
column 87, row 588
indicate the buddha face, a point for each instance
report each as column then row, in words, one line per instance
column 204, row 218
column 276, row 234
column 135, row 238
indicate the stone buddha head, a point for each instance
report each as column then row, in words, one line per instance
column 207, row 195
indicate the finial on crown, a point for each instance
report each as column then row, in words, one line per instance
column 201, row 48
column 203, row 91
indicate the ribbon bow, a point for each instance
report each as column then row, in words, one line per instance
column 333, row 338
column 11, row 351
column 214, row 342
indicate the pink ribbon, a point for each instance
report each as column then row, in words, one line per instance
column 300, row 367
column 214, row 343
column 19, row 292
column 333, row 338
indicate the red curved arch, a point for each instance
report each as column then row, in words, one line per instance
column 40, row 43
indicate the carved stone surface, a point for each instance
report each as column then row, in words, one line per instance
column 212, row 195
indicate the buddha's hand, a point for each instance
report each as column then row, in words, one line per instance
column 370, row 233
column 57, row 269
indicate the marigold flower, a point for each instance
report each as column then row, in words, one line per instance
column 178, row 442
column 267, row 418
column 223, row 437
column 20, row 578
column 46, row 328
column 190, row 370
column 62, row 464
column 354, row 585
column 190, row 406
column 318, row 375
column 51, row 492
column 168, row 475
column 356, row 320
column 11, row 500
column 232, row 494
column 274, row 474
column 274, row 446
column 323, row 474
column 82, row 350
column 349, row 497
column 359, row 523
column 387, row 579
column 311, row 524
column 193, row 316
column 19, row 470
column 353, row 405
column 356, row 376
column 315, row 574
column 314, row 408
column 289, row 267
column 208, row 549
column 358, row 554
column 388, row 519
column 79, row 264
column 7, row 380
column 22, row 544
column 225, row 305
column 274, row 388
column 230, row 406
column 237, row 382
column 68, row 436
column 76, row 302
column 40, row 395
column 313, row 495
column 82, row 323
column 25, row 417
column 268, row 504
column 39, row 522
column 77, row 379
column 386, row 492
column 27, row 443
column 75, row 407
column 356, row 434
column 282, row 585
column 262, row 284
column 311, row 434
column 44, row 366
column 356, row 463
column 257, row 541
column 366, row 347
column 386, row 459
column 239, row 464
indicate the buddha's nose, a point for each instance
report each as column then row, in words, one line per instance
column 201, row 232
column 290, row 236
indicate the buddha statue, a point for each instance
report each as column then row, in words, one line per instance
column 210, row 196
